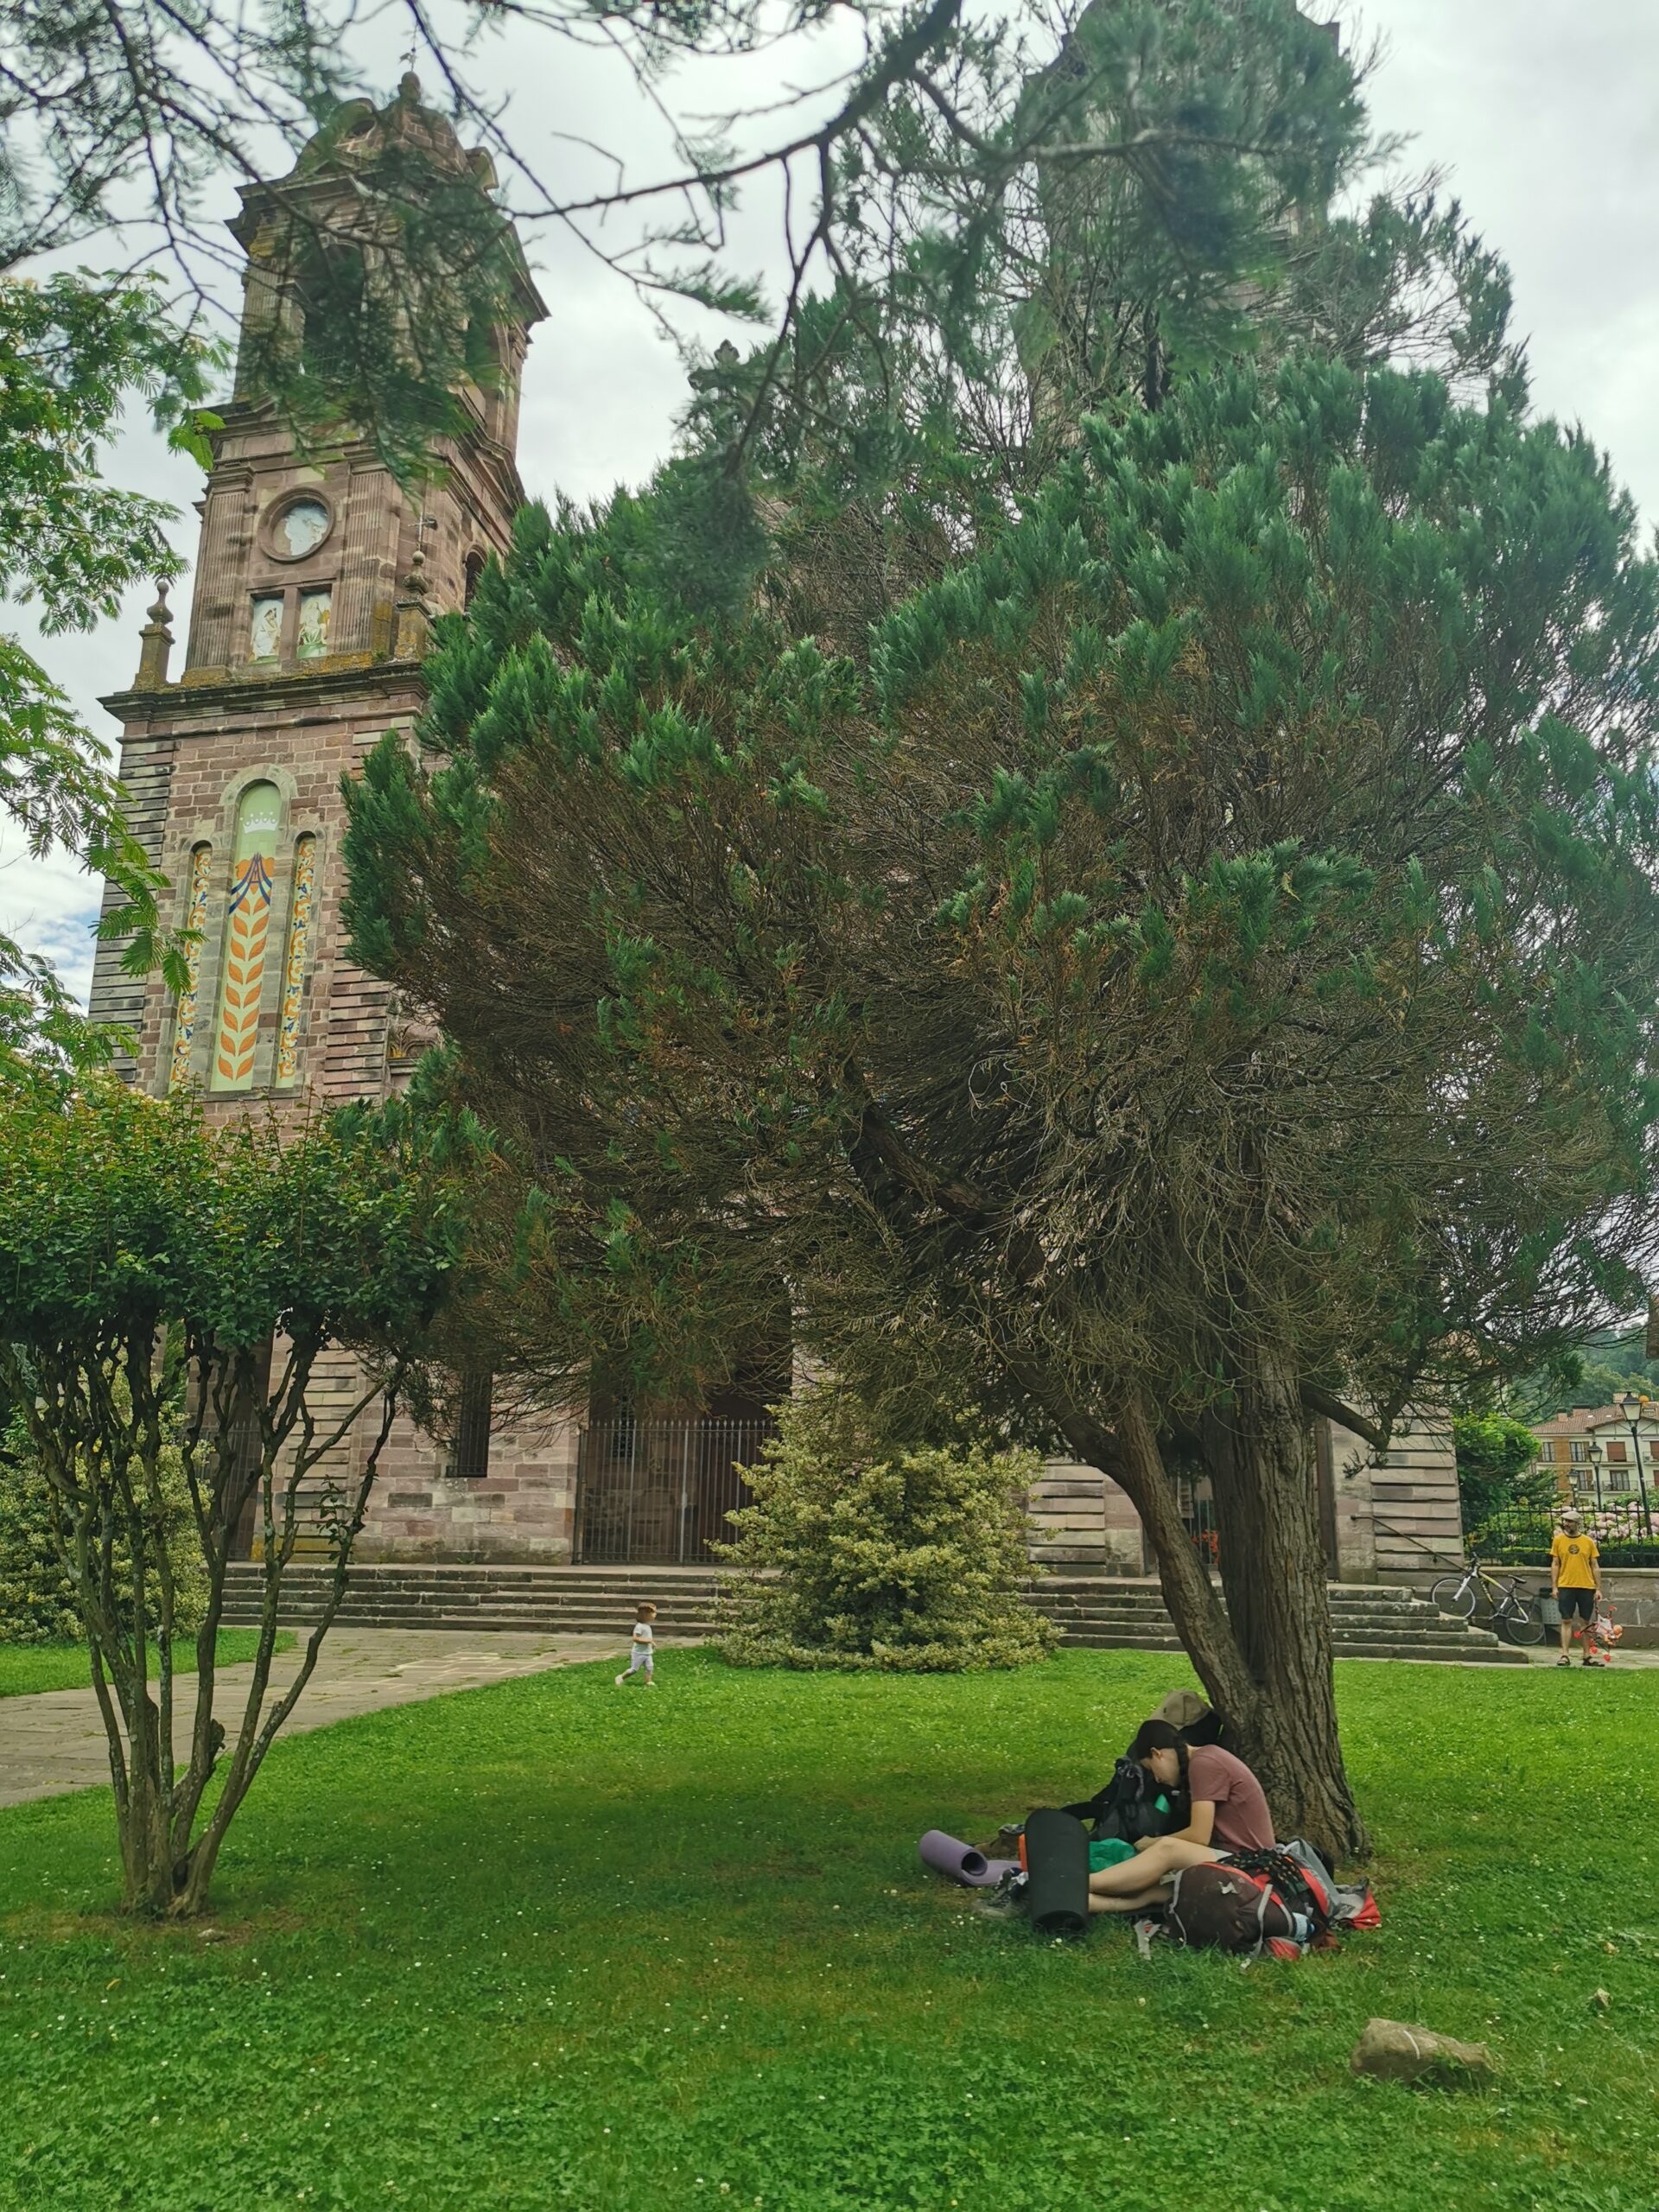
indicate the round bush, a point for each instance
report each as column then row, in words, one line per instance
column 861, row 1553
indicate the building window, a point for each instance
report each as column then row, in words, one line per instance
column 471, row 575
column 266, row 633
column 313, row 638
column 247, row 923
column 1617, row 1452
column 471, row 1462
column 1580, row 1452
column 194, row 920
column 300, row 913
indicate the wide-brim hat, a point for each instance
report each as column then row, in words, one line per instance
column 1183, row 1709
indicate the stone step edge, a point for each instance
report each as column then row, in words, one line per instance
column 1100, row 1635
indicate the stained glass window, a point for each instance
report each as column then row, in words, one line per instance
column 265, row 634
column 194, row 920
column 299, row 947
column 313, row 624
column 247, row 922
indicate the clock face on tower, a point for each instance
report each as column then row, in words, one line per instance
column 300, row 528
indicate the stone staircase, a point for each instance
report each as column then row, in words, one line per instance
column 1098, row 1611
column 1368, row 1621
column 543, row 1600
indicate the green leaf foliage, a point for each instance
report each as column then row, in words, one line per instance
column 37, row 1572
column 1497, row 1470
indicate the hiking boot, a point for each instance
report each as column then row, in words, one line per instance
column 1007, row 1901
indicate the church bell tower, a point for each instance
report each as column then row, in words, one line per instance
column 317, row 575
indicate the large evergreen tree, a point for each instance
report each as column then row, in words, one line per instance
column 1192, row 971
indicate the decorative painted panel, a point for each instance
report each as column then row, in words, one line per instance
column 194, row 920
column 265, row 631
column 247, row 922
column 300, row 528
column 314, row 606
column 299, row 947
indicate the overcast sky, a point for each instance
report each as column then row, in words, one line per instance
column 1545, row 113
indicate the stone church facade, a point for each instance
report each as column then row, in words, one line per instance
column 315, row 584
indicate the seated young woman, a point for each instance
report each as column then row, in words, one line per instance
column 1229, row 1812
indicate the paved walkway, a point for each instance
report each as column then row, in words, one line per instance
column 54, row 1741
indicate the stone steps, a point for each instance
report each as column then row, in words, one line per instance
column 1096, row 1612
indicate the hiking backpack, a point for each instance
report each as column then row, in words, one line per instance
column 1130, row 1806
column 1277, row 1900
column 1221, row 1906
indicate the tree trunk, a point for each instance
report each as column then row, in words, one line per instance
column 1262, row 1469
column 1266, row 1661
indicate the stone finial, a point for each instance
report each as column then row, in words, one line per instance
column 155, row 645
column 414, row 615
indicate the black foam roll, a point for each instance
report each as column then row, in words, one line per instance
column 1057, row 1859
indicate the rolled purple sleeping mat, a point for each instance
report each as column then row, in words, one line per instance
column 961, row 1861
column 1057, row 1859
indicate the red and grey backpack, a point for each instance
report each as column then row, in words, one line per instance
column 1225, row 1906
column 1275, row 1902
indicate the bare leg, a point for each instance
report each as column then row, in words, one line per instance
column 1139, row 1878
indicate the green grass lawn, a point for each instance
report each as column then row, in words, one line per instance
column 549, row 1945
column 26, row 1668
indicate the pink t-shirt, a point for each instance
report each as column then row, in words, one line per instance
column 1216, row 1778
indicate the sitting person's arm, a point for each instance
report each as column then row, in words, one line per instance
column 1198, row 1829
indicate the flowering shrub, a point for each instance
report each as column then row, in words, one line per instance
column 1621, row 1521
column 860, row 1553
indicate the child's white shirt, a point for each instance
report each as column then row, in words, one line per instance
column 642, row 1632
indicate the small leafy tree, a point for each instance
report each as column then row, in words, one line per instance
column 1498, row 1469
column 862, row 1552
column 128, row 1230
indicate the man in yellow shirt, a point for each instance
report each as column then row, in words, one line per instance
column 1575, row 1578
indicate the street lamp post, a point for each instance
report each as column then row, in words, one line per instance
column 1633, row 1405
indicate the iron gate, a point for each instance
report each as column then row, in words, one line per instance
column 658, row 1492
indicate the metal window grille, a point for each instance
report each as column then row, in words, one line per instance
column 659, row 1491
column 1198, row 1509
column 471, row 1462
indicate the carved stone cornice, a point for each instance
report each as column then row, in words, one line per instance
column 210, row 693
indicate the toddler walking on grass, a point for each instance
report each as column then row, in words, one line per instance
column 640, row 1662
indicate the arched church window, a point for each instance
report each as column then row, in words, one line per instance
column 247, row 923
column 302, row 911
column 192, row 922
column 472, row 573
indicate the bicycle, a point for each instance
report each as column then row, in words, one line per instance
column 1512, row 1616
